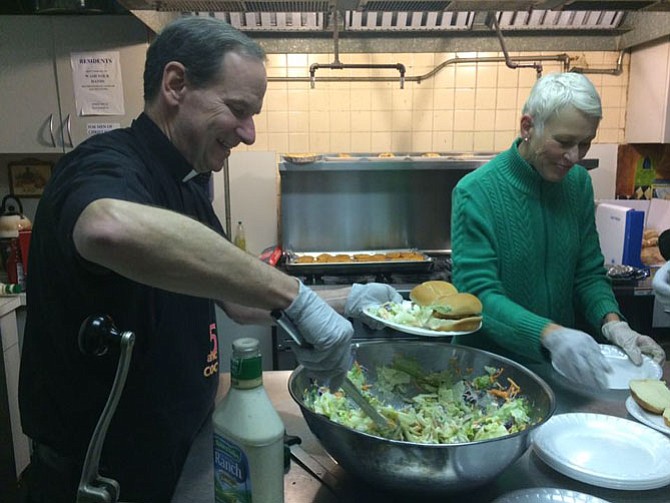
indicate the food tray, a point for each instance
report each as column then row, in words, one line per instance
column 410, row 260
column 301, row 158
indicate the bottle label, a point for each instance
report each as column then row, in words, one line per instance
column 246, row 369
column 232, row 480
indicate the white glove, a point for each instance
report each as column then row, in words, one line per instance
column 370, row 294
column 578, row 356
column 329, row 333
column 634, row 344
column 661, row 285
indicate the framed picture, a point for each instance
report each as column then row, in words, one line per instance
column 27, row 178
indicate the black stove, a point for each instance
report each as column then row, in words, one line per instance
column 439, row 270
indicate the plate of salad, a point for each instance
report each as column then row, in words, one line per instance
column 413, row 319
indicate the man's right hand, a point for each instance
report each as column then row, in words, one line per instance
column 578, row 356
column 327, row 331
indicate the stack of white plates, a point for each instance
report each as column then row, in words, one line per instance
column 548, row 495
column 604, row 451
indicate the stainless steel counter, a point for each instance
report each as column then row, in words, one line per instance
column 196, row 483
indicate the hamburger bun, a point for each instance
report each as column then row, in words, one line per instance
column 426, row 293
column 452, row 311
column 650, row 394
column 468, row 324
column 456, row 306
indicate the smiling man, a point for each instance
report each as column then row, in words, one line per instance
column 524, row 241
column 125, row 228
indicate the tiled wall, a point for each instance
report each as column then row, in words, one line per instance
column 464, row 108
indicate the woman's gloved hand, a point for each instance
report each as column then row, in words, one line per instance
column 370, row 294
column 634, row 344
column 578, row 356
column 327, row 331
column 661, row 284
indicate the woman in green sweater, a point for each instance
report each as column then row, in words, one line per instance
column 524, row 240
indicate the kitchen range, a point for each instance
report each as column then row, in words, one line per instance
column 361, row 218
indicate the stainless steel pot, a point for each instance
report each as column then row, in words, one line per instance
column 423, row 468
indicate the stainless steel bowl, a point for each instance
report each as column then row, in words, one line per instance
column 426, row 468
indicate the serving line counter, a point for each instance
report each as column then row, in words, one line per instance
column 328, row 483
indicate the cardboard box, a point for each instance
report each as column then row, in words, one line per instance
column 617, row 240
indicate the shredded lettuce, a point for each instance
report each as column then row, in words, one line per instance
column 439, row 407
column 409, row 314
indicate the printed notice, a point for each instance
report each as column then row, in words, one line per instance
column 98, row 87
column 97, row 128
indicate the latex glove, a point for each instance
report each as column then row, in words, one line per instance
column 661, row 284
column 370, row 294
column 578, row 356
column 327, row 331
column 634, row 344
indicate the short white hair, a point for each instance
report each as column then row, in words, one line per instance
column 556, row 91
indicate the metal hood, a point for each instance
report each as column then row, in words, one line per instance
column 391, row 5
column 529, row 24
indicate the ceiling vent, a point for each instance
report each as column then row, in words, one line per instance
column 408, row 21
column 553, row 20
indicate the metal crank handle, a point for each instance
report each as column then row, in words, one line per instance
column 95, row 335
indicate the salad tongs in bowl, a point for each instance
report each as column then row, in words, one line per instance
column 348, row 386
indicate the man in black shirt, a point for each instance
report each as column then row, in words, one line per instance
column 125, row 228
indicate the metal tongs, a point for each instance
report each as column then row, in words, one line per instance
column 347, row 386
column 95, row 335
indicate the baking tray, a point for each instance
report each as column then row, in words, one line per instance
column 356, row 265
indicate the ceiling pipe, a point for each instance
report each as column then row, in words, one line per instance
column 617, row 70
column 338, row 65
column 562, row 58
column 508, row 61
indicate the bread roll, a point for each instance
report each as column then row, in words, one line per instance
column 461, row 325
column 452, row 311
column 456, row 306
column 650, row 394
column 426, row 293
column 666, row 416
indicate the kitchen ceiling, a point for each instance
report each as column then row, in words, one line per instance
column 428, row 25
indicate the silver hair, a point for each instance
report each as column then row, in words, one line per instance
column 556, row 91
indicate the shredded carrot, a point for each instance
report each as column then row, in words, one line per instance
column 509, row 393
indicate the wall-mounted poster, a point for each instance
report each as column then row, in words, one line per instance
column 98, row 87
column 28, row 177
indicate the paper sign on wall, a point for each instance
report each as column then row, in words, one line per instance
column 98, row 87
column 97, row 128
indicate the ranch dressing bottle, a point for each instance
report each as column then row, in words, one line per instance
column 248, row 434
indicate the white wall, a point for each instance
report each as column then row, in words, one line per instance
column 604, row 176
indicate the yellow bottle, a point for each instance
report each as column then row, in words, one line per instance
column 248, row 434
column 240, row 237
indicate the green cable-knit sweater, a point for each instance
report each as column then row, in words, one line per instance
column 529, row 250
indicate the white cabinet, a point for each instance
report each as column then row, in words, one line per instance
column 648, row 110
column 11, row 354
column 37, row 104
column 29, row 101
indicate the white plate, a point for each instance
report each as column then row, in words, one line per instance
column 604, row 451
column 652, row 420
column 547, row 494
column 624, row 370
column 416, row 330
